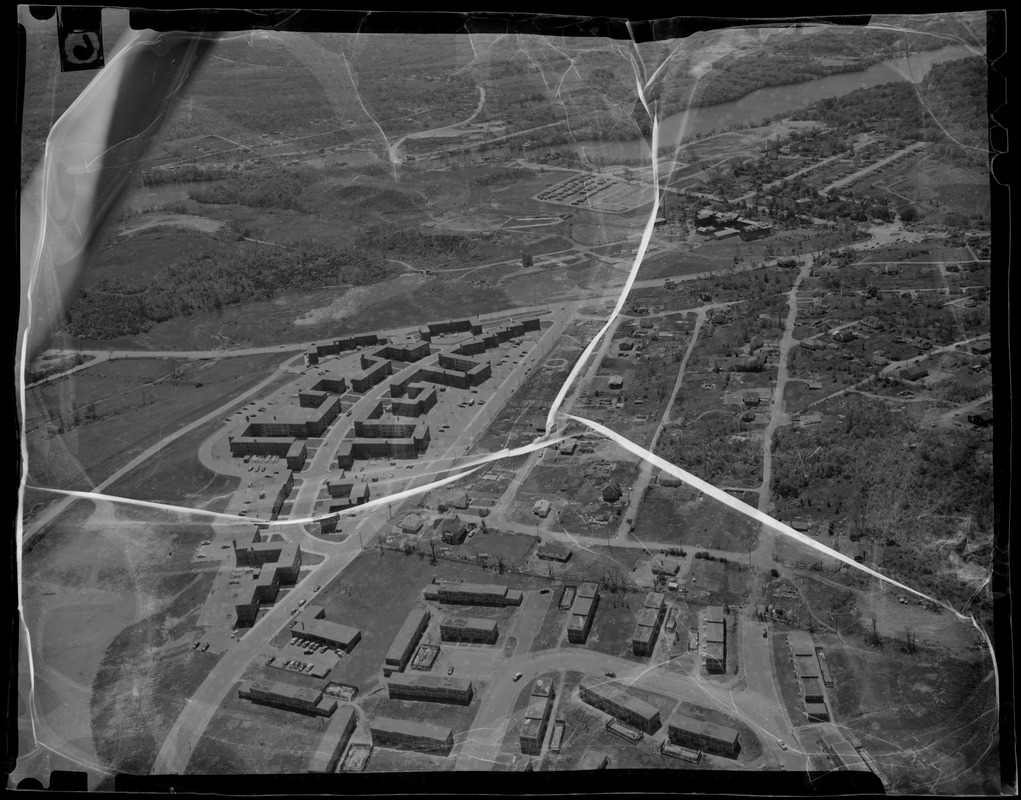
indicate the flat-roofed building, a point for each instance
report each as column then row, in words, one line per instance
column 583, row 612
column 537, row 716
column 430, row 688
column 554, row 552
column 806, row 666
column 401, row 734
column 690, row 732
column 621, row 705
column 473, row 594
column 288, row 697
column 714, row 640
column 469, row 629
column 373, row 371
column 817, row 712
column 337, row 735
column 406, row 640
column 800, row 644
column 331, row 634
column 812, row 691
column 648, row 624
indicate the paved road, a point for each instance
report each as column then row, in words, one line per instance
column 839, row 184
column 645, row 470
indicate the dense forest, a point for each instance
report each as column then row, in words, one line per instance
column 947, row 108
column 238, row 272
column 910, row 501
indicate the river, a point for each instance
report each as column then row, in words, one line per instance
column 763, row 104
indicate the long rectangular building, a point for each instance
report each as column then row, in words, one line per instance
column 537, row 716
column 406, row 640
column 583, row 612
column 331, row 748
column 690, row 732
column 621, row 705
column 288, row 697
column 421, row 737
column 648, row 624
column 473, row 594
column 433, row 688
column 469, row 629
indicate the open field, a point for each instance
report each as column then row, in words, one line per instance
column 245, row 738
column 116, row 403
column 613, row 625
column 927, row 726
column 678, row 516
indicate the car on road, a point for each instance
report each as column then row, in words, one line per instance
column 544, row 591
column 450, row 670
column 196, row 646
column 765, row 633
column 517, row 676
column 205, row 647
column 610, row 674
column 317, row 588
column 782, row 743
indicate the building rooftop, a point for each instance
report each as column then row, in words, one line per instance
column 718, row 732
column 431, row 681
column 602, row 688
column 404, row 726
column 475, row 623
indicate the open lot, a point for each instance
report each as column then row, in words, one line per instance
column 679, row 516
column 245, row 738
column 117, row 405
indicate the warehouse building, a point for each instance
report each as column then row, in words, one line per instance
column 469, row 629
column 288, row 697
column 619, row 704
column 473, row 594
column 537, row 716
column 689, row 732
column 331, row 748
column 430, row 688
column 421, row 737
column 406, row 641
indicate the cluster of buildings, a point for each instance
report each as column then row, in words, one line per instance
column 714, row 640
column 537, row 716
column 278, row 561
column 583, row 612
column 812, row 674
column 648, row 624
column 718, row 225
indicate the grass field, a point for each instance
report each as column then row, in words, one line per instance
column 614, row 624
column 927, row 719
column 513, row 548
column 672, row 516
column 245, row 738
column 174, row 392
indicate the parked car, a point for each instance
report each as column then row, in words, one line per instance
column 517, row 676
column 611, row 674
column 783, row 745
column 450, row 670
column 544, row 591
